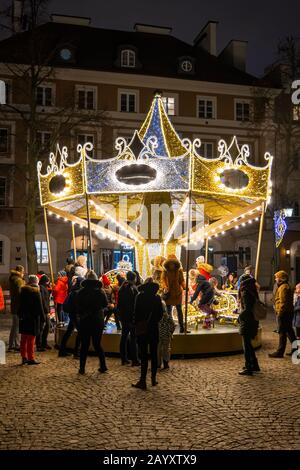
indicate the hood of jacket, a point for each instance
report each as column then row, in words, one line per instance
column 150, row 288
column 14, row 273
column 28, row 288
column 172, row 265
column 91, row 284
column 63, row 280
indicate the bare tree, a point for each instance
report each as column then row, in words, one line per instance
column 27, row 75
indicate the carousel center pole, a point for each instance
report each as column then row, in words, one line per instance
column 187, row 262
column 261, row 226
column 206, row 249
column 88, row 215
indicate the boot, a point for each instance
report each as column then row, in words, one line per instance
column 166, row 365
column 140, row 384
column 276, row 354
column 154, row 381
column 246, row 372
column 24, row 361
column 33, row 363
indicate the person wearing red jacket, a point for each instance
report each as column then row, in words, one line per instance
column 60, row 293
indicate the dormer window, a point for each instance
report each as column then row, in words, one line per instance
column 128, row 58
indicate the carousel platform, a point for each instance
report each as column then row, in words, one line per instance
column 222, row 339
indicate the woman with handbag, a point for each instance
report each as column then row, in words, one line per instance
column 248, row 324
column 148, row 312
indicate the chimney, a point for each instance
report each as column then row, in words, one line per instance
column 67, row 19
column 17, row 14
column 234, row 54
column 207, row 38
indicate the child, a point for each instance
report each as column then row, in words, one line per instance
column 166, row 329
column 111, row 298
column 296, row 321
column 60, row 293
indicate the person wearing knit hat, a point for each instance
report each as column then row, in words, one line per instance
column 31, row 314
column 41, row 339
column 284, row 309
column 60, row 293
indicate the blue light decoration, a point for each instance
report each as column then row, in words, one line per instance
column 155, row 129
column 280, row 226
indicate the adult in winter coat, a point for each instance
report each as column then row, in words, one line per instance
column 70, row 307
column 91, row 302
column 284, row 310
column 166, row 330
column 296, row 321
column 148, row 312
column 173, row 284
column 248, row 325
column 41, row 339
column 31, row 313
column 60, row 293
column 70, row 271
column 126, row 301
column 16, row 282
column 157, row 270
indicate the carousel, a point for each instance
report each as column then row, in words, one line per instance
column 160, row 196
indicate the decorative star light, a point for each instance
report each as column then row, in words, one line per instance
column 280, row 226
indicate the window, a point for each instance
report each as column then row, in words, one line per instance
column 42, row 252
column 86, row 98
column 242, row 111
column 207, row 149
column 169, row 104
column 244, row 256
column 3, row 140
column 43, row 140
column 44, row 96
column 7, row 92
column 206, row 108
column 1, row 251
column 296, row 113
column 127, row 58
column 3, row 191
column 128, row 102
column 186, row 66
column 65, row 54
column 83, row 138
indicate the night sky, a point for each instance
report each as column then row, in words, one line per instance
column 260, row 22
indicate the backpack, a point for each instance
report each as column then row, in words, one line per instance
column 259, row 310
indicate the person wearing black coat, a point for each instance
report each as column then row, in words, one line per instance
column 31, row 313
column 248, row 325
column 91, row 301
column 148, row 312
column 206, row 290
column 126, row 300
column 41, row 339
column 69, row 307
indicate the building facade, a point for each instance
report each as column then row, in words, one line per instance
column 111, row 77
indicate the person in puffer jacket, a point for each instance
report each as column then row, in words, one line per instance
column 60, row 293
column 166, row 329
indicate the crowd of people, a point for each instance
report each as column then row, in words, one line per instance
column 142, row 311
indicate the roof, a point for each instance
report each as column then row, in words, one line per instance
column 98, row 49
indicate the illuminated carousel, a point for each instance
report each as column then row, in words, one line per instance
column 118, row 198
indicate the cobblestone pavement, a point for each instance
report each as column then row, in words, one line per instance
column 198, row 404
